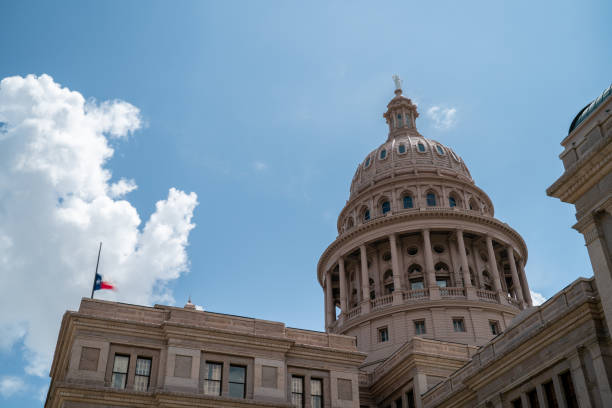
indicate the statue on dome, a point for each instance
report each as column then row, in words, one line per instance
column 398, row 82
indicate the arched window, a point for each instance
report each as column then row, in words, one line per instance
column 421, row 147
column 350, row 223
column 452, row 202
column 414, row 268
column 366, row 215
column 440, row 150
column 399, row 120
column 431, row 199
column 441, row 267
column 388, row 279
column 473, row 205
column 402, row 149
column 408, row 122
column 385, row 207
column 408, row 202
column 383, row 153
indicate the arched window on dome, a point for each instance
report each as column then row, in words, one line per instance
column 385, row 207
column 421, row 147
column 431, row 199
column 401, row 148
column 440, row 150
column 350, row 223
column 398, row 122
column 366, row 215
column 452, row 202
column 442, row 275
column 383, row 154
column 408, row 121
column 415, row 277
column 367, row 162
column 407, row 201
column 473, row 205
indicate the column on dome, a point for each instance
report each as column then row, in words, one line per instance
column 525, row 286
column 518, row 288
column 493, row 266
column 397, row 285
column 465, row 268
column 434, row 292
column 365, row 278
column 343, row 299
column 478, row 264
column 330, row 316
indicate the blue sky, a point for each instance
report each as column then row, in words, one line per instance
column 264, row 110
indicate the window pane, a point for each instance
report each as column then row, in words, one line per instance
column 121, row 364
column 421, row 147
column 431, row 199
column 236, row 390
column 213, row 371
column 407, row 202
column 141, row 383
column 143, row 366
column 118, row 381
column 236, row 374
column 402, row 148
column 452, row 202
column 297, row 391
column 212, row 387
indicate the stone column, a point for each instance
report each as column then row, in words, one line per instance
column 330, row 316
column 343, row 307
column 434, row 292
column 365, row 278
column 518, row 288
column 397, row 284
column 580, row 385
column 478, row 264
column 470, row 291
column 525, row 286
column 493, row 269
column 601, row 373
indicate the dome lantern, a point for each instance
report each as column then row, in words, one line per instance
column 401, row 114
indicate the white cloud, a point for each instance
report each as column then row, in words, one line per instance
column 260, row 166
column 443, row 118
column 537, row 298
column 11, row 385
column 57, row 202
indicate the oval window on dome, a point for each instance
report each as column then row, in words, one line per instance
column 367, row 162
column 383, row 153
column 440, row 150
column 421, row 147
column 454, row 156
column 401, row 149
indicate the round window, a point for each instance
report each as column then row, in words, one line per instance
column 413, row 250
column 438, row 248
column 386, row 256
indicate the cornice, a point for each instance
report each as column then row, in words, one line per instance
column 418, row 214
column 585, row 173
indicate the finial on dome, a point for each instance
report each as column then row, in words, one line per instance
column 189, row 305
column 398, row 84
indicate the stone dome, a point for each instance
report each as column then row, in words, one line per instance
column 408, row 154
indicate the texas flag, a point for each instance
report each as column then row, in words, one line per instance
column 100, row 284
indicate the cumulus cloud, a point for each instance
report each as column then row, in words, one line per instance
column 537, row 298
column 11, row 385
column 443, row 118
column 58, row 200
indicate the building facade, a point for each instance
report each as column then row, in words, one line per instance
column 426, row 304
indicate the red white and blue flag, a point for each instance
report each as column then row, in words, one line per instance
column 100, row 283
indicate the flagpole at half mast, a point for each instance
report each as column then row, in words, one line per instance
column 93, row 287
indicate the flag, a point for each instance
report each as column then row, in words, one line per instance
column 101, row 284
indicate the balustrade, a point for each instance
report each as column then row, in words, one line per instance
column 382, row 301
column 450, row 292
column 487, row 295
column 354, row 312
column 416, row 294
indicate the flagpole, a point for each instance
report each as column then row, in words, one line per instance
column 96, row 274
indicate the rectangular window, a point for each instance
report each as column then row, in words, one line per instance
column 517, row 403
column 441, row 282
column 398, row 403
column 212, row 378
column 494, row 325
column 568, row 390
column 416, row 284
column 143, row 374
column 410, row 399
column 120, row 370
column 297, row 391
column 419, row 326
column 383, row 334
column 316, row 393
column 549, row 393
column 458, row 324
column 237, row 381
column 532, row 396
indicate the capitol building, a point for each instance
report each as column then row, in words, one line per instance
column 427, row 303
